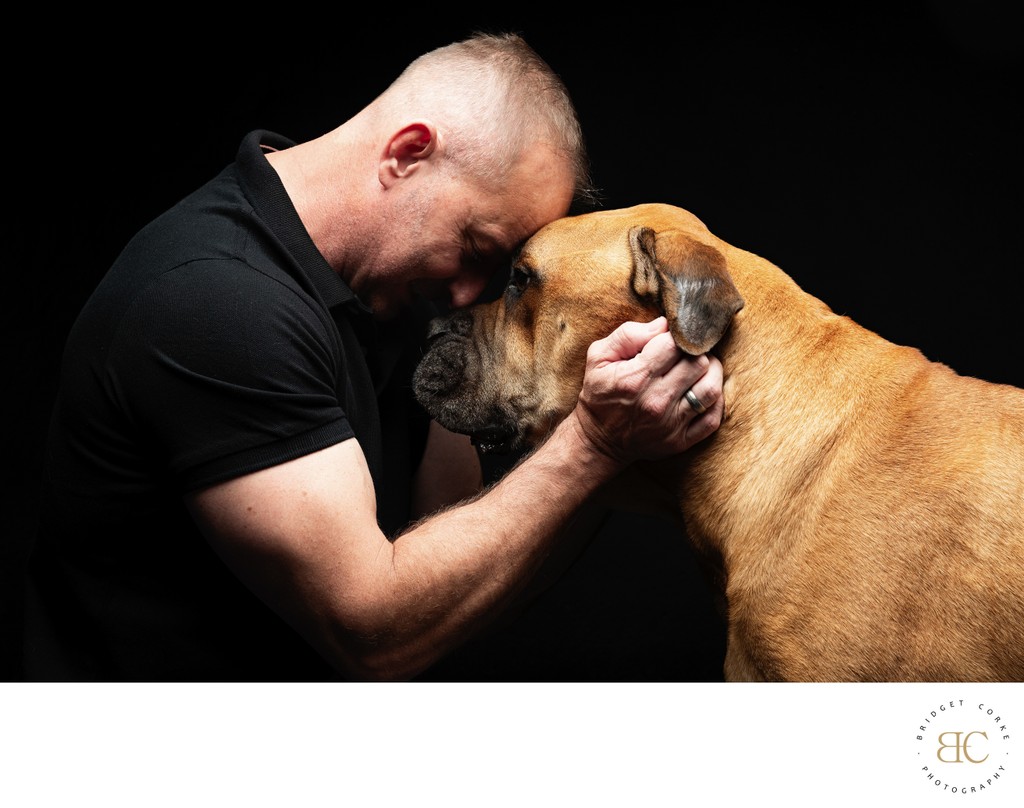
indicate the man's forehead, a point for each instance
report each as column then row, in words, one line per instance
column 541, row 187
column 532, row 199
column 506, row 234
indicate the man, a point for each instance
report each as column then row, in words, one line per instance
column 236, row 466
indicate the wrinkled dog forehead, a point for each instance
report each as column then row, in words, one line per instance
column 575, row 236
column 598, row 239
column 577, row 257
column 651, row 256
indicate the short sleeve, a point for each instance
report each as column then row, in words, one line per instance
column 229, row 370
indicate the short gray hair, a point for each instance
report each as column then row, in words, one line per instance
column 495, row 97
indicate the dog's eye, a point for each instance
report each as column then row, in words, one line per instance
column 519, row 280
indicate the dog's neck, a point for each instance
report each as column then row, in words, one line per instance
column 777, row 440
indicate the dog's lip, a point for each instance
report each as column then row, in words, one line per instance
column 493, row 439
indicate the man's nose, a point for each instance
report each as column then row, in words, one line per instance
column 465, row 289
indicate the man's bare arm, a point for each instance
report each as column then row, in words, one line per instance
column 304, row 535
column 450, row 472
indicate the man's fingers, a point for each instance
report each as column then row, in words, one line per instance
column 704, row 403
column 696, row 373
column 634, row 398
column 626, row 341
column 661, row 356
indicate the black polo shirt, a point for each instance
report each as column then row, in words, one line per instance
column 219, row 343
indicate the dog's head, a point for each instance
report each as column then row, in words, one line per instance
column 506, row 372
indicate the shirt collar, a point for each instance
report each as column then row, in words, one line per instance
column 270, row 200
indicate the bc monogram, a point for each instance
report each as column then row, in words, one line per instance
column 958, row 733
column 962, row 743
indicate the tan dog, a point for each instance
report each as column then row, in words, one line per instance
column 861, row 508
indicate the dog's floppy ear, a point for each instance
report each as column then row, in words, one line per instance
column 689, row 282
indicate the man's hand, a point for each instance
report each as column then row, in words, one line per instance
column 633, row 403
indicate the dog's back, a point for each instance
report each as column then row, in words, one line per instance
column 866, row 505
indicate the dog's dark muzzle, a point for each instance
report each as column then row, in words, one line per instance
column 451, row 384
column 442, row 372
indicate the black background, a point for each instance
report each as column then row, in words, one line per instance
column 875, row 155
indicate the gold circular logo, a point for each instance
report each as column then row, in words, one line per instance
column 963, row 746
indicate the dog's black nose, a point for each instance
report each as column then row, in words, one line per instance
column 437, row 327
column 457, row 324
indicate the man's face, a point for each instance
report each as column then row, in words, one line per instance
column 448, row 236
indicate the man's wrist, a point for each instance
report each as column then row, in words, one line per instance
column 600, row 459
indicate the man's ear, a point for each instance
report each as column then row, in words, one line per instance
column 404, row 151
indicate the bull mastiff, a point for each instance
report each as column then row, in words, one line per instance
column 861, row 508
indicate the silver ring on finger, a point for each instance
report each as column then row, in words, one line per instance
column 693, row 401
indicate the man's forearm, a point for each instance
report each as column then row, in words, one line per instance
column 454, row 572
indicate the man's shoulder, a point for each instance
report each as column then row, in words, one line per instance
column 213, row 222
column 203, row 251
